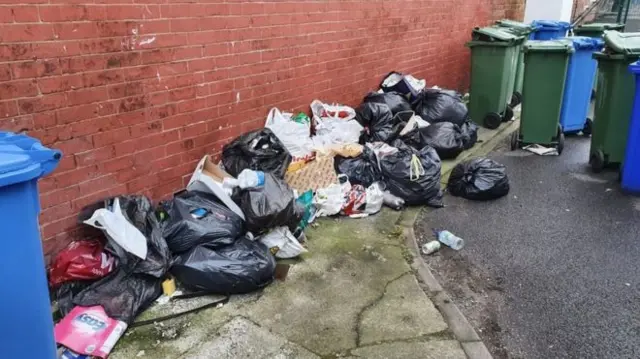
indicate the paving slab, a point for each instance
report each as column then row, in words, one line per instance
column 405, row 312
column 447, row 349
column 241, row 338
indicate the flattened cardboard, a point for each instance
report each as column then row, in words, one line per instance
column 208, row 178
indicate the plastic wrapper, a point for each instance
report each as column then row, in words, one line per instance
column 81, row 260
column 437, row 105
column 269, row 206
column 479, row 179
column 198, row 217
column 411, row 174
column 241, row 267
column 259, row 150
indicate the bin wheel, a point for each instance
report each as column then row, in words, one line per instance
column 593, row 94
column 588, row 127
column 492, row 120
column 597, row 161
column 508, row 114
column 515, row 137
column 516, row 99
column 560, row 139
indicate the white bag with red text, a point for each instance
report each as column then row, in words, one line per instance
column 334, row 124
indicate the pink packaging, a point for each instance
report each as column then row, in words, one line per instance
column 88, row 330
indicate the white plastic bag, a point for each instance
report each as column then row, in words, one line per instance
column 329, row 201
column 375, row 198
column 334, row 124
column 295, row 136
column 125, row 234
column 282, row 243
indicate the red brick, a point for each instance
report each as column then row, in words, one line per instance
column 42, row 103
column 96, row 184
column 85, row 96
column 102, row 77
column 184, row 25
column 109, row 137
column 75, row 30
column 125, row 12
column 54, row 213
column 8, row 108
column 26, row 32
column 53, row 228
column 77, row 113
column 37, row 68
column 53, row 198
column 126, row 89
column 60, row 83
column 15, row 89
column 19, row 13
column 62, row 13
column 17, row 124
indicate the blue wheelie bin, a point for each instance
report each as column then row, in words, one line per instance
column 631, row 166
column 25, row 309
column 579, row 84
column 550, row 29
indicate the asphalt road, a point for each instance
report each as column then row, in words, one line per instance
column 553, row 269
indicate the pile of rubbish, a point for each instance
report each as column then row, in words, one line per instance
column 225, row 231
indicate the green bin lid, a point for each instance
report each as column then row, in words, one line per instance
column 599, row 26
column 516, row 27
column 548, row 46
column 495, row 34
column 626, row 43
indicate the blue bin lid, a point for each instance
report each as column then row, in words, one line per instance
column 551, row 24
column 635, row 67
column 586, row 43
column 23, row 158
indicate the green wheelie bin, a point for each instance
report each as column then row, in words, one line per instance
column 494, row 55
column 614, row 99
column 520, row 29
column 596, row 30
column 545, row 71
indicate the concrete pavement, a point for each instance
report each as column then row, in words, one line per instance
column 354, row 296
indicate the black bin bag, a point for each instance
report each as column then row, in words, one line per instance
column 469, row 134
column 269, row 206
column 413, row 175
column 437, row 105
column 362, row 169
column 479, row 179
column 445, row 137
column 259, row 150
column 197, row 217
column 135, row 283
column 378, row 120
column 396, row 101
column 241, row 267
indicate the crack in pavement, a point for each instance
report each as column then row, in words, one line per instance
column 372, row 304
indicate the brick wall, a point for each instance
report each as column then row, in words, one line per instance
column 136, row 91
